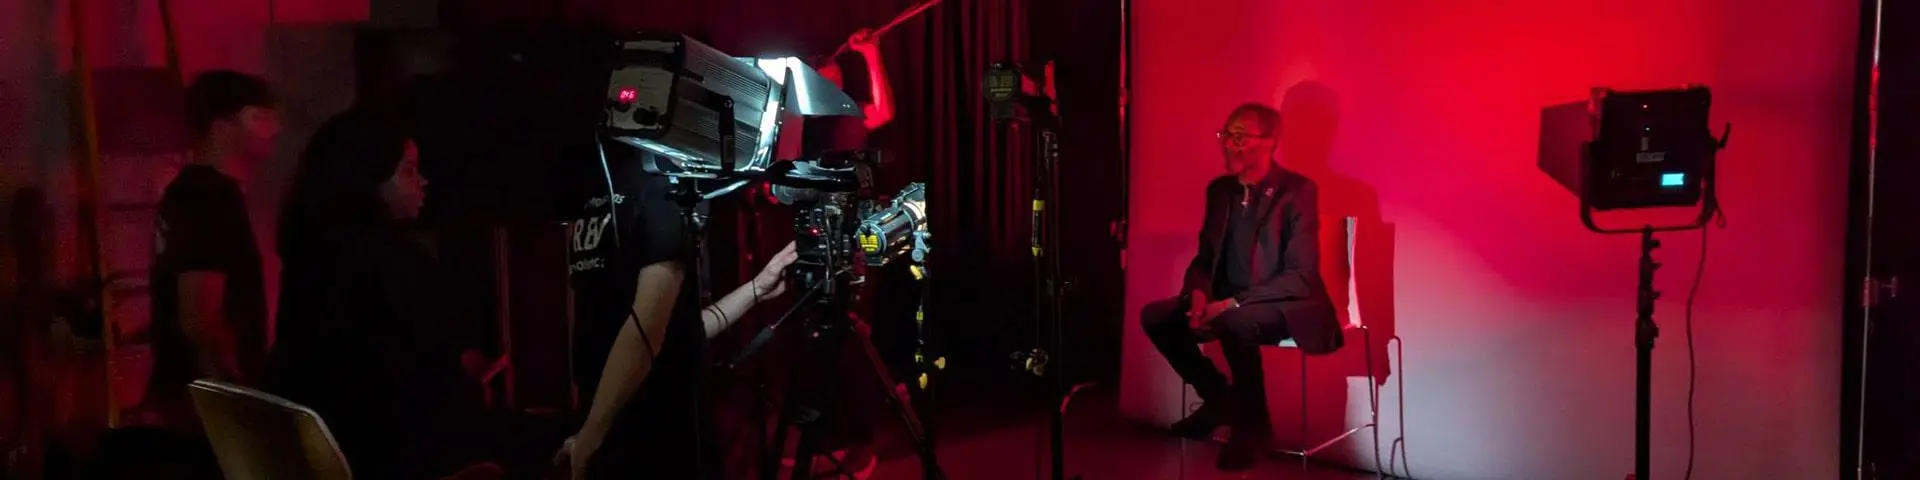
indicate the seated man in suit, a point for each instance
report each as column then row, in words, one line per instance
column 1255, row 281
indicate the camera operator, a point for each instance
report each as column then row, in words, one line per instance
column 639, row 332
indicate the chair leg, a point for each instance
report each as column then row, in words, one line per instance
column 1305, row 450
column 1400, row 384
column 1373, row 410
column 1373, row 399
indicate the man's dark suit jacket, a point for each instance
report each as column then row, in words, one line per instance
column 1286, row 256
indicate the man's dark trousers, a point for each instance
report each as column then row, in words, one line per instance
column 1242, row 331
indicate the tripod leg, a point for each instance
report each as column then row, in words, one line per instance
column 813, row 430
column 794, row 414
column 770, row 456
column 902, row 402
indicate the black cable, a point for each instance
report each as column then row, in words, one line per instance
column 1699, row 272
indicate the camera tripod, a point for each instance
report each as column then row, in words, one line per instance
column 827, row 325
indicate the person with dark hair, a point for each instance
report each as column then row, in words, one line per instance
column 1255, row 281
column 360, row 338
column 209, row 300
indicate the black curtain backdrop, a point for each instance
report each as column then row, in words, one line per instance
column 978, row 171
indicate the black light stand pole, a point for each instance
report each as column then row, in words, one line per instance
column 1050, row 288
column 1054, row 286
column 1049, row 222
column 1645, row 331
column 926, row 362
column 687, row 195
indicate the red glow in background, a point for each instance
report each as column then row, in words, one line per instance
column 1517, row 321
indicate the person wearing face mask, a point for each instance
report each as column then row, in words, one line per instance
column 1255, row 281
column 360, row 338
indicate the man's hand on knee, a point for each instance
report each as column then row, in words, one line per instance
column 1205, row 320
column 1197, row 304
column 1196, row 313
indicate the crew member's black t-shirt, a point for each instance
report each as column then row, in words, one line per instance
column 203, row 226
column 611, row 240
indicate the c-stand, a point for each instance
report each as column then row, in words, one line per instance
column 1052, row 289
column 1050, row 285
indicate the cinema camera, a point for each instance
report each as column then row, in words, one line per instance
column 711, row 121
column 705, row 116
column 835, row 230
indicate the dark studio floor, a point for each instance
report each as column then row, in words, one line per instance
column 989, row 435
column 985, row 440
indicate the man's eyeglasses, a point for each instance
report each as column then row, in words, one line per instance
column 1238, row 137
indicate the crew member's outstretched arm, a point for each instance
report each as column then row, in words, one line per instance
column 880, row 111
column 768, row 284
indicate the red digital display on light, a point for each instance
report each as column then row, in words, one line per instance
column 628, row 95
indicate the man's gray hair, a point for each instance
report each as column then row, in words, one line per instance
column 1268, row 117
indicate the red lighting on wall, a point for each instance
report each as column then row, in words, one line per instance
column 1425, row 116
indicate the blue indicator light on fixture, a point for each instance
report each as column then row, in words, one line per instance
column 1673, row 179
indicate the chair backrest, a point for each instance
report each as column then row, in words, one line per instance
column 1339, row 268
column 257, row 435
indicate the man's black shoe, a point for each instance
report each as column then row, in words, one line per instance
column 1201, row 424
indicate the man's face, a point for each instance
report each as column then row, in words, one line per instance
column 260, row 127
column 1244, row 144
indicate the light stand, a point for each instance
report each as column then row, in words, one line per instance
column 1053, row 289
column 1645, row 329
column 688, row 196
column 1050, row 286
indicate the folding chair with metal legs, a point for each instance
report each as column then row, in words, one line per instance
column 1351, row 225
column 1373, row 404
column 1351, row 230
